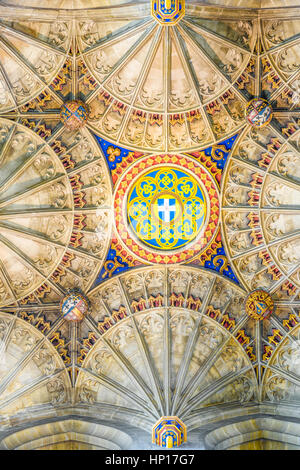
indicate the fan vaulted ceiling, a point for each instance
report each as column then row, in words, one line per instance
column 167, row 332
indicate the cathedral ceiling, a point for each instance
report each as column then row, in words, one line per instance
column 163, row 113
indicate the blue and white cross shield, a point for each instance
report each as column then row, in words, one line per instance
column 166, row 208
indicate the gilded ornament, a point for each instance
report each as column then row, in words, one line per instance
column 259, row 305
column 169, row 431
column 258, row 112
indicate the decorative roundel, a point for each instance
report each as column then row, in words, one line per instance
column 166, row 208
column 169, row 431
column 74, row 115
column 258, row 112
column 259, row 304
column 168, row 12
column 171, row 204
column 74, row 306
